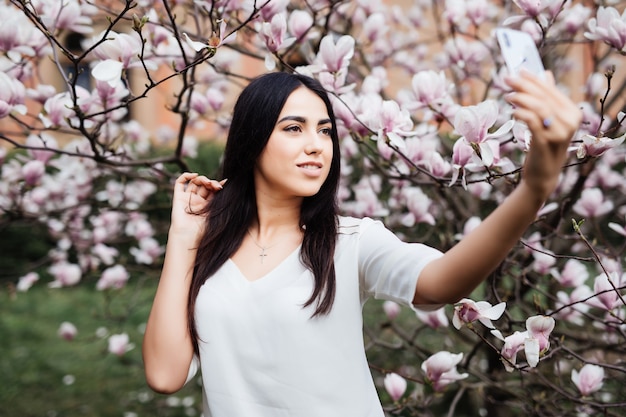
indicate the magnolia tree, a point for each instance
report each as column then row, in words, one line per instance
column 428, row 145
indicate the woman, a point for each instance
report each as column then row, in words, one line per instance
column 263, row 283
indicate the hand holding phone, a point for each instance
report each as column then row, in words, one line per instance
column 519, row 52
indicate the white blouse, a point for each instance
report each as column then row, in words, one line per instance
column 261, row 353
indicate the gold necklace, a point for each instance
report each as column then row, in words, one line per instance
column 263, row 253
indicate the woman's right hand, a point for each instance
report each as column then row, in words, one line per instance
column 191, row 194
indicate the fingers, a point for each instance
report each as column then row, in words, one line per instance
column 548, row 112
column 198, row 184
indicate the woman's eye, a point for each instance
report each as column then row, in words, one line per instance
column 325, row 131
column 292, row 128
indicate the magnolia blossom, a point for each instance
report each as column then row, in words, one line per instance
column 72, row 15
column 27, row 281
column 618, row 228
column 434, row 319
column 65, row 274
column 117, row 52
column 119, row 344
column 67, row 330
column 534, row 341
column 395, row 386
column 391, row 309
column 595, row 146
column 215, row 41
column 33, row 171
column 334, row 56
column 390, row 122
column 147, row 252
column 440, row 369
column 12, row 94
column 512, row 345
column 431, row 89
column 607, row 292
column 113, row 277
column 532, row 7
column 608, row 26
column 589, row 379
column 418, row 205
column 539, row 330
column 473, row 124
column 592, row 203
column 471, row 224
column 300, row 23
column 273, row 33
column 571, row 307
column 573, row 274
column 468, row 311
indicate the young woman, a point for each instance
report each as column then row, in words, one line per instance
column 263, row 283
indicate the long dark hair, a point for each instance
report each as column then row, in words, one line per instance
column 231, row 211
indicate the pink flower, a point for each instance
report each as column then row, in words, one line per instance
column 592, row 203
column 43, row 140
column 374, row 27
column 215, row 41
column 473, row 124
column 33, row 171
column 606, row 291
column 532, row 8
column 471, row 224
column 538, row 342
column 391, row 309
column 512, row 345
column 617, row 228
column 589, row 379
column 440, row 369
column 608, row 26
column 27, row 281
column 433, row 319
column 389, row 121
column 395, row 386
column 594, row 146
column 273, row 33
column 574, row 273
column 105, row 253
column 113, row 277
column 572, row 307
column 148, row 250
column 119, row 344
column 65, row 274
column 431, row 89
column 534, row 341
column 12, row 94
column 72, row 15
column 299, row 23
column 418, row 205
column 468, row 311
column 336, row 55
column 67, row 330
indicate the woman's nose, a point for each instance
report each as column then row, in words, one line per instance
column 314, row 144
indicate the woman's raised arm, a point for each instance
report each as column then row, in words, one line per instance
column 552, row 118
column 167, row 347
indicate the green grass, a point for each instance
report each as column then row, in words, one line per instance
column 35, row 360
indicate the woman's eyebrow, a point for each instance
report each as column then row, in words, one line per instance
column 301, row 119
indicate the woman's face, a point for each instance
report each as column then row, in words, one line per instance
column 299, row 152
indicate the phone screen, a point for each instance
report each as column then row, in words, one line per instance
column 519, row 51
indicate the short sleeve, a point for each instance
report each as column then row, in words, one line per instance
column 193, row 368
column 388, row 267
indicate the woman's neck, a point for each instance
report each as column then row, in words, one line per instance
column 275, row 219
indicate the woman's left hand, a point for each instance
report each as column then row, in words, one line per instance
column 552, row 118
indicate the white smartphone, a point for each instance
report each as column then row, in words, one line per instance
column 519, row 51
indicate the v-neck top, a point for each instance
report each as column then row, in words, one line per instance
column 263, row 355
